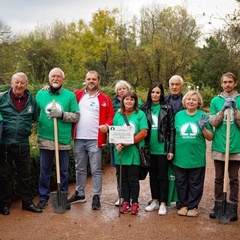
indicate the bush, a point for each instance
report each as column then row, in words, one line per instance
column 207, row 94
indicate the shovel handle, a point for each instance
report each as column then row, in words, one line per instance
column 227, row 150
column 56, row 144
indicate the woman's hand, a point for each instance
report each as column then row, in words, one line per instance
column 169, row 156
column 119, row 147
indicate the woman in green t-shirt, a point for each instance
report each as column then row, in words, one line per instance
column 121, row 87
column 192, row 128
column 127, row 154
column 160, row 139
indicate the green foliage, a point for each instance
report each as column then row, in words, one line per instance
column 153, row 47
column 207, row 94
column 4, row 87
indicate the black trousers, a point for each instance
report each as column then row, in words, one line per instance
column 189, row 184
column 20, row 156
column 159, row 177
column 233, row 170
column 130, row 182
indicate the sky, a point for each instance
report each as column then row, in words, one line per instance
column 25, row 15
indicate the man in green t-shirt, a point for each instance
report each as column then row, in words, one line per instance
column 229, row 98
column 66, row 112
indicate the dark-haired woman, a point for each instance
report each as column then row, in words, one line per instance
column 160, row 140
column 127, row 154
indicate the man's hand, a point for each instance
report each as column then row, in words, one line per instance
column 55, row 113
column 229, row 103
column 203, row 121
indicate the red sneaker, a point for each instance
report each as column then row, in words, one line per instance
column 125, row 207
column 134, row 210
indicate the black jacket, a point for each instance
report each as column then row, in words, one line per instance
column 166, row 130
column 179, row 105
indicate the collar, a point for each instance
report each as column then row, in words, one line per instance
column 94, row 95
column 16, row 97
column 52, row 90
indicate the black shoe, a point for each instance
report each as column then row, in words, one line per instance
column 68, row 206
column 75, row 198
column 234, row 213
column 212, row 214
column 42, row 204
column 96, row 205
column 5, row 211
column 32, row 208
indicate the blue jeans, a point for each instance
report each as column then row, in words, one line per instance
column 84, row 150
column 46, row 162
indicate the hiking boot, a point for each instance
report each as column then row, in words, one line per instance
column 183, row 211
column 152, row 206
column 192, row 212
column 212, row 214
column 134, row 210
column 234, row 213
column 162, row 210
column 75, row 198
column 117, row 202
column 125, row 207
column 96, row 205
column 42, row 204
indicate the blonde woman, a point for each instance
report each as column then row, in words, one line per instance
column 192, row 128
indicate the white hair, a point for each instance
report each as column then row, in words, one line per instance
column 124, row 83
column 58, row 69
column 176, row 77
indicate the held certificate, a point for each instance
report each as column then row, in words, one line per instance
column 121, row 134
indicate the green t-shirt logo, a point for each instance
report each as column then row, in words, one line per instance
column 189, row 130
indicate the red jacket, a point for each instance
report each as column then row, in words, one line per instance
column 106, row 114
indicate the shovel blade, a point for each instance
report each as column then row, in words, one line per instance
column 223, row 211
column 59, row 201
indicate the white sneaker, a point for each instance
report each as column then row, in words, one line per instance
column 152, row 207
column 117, row 202
column 162, row 210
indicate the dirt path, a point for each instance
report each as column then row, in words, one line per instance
column 83, row 223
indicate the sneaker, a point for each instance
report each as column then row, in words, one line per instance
column 192, row 212
column 75, row 198
column 134, row 210
column 42, row 204
column 96, row 205
column 152, row 206
column 212, row 214
column 183, row 211
column 162, row 210
column 234, row 213
column 149, row 201
column 125, row 208
column 117, row 202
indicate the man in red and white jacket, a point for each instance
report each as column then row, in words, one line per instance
column 90, row 135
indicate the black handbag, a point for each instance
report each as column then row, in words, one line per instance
column 144, row 154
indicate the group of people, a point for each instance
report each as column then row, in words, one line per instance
column 19, row 109
column 174, row 127
column 176, row 133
